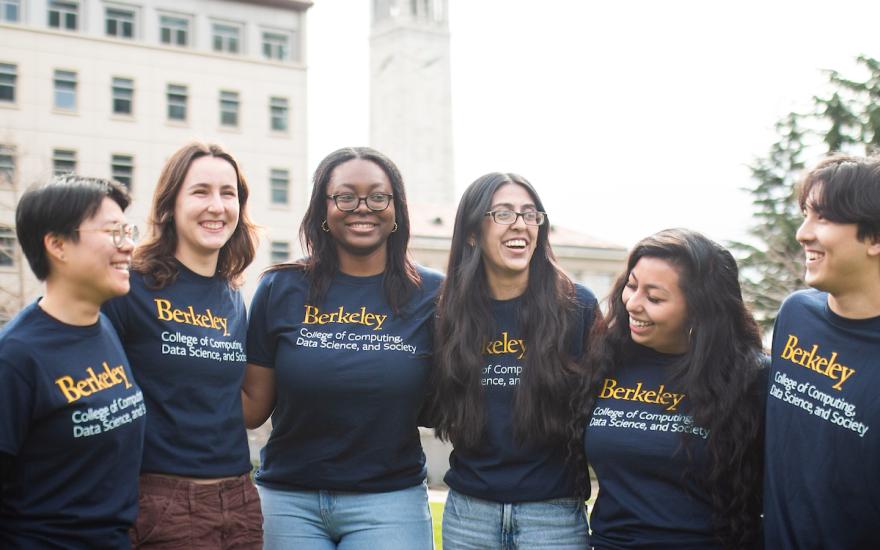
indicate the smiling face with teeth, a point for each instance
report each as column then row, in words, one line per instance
column 205, row 211
column 508, row 249
column 656, row 305
column 92, row 265
column 361, row 237
column 837, row 261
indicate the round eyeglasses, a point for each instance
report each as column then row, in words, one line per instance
column 119, row 233
column 349, row 202
column 508, row 217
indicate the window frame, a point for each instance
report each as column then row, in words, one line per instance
column 116, row 86
column 172, row 89
column 9, row 80
column 238, row 28
column 279, row 183
column 230, row 98
column 275, row 251
column 277, row 103
column 61, row 10
column 72, row 91
column 174, row 40
column 8, row 246
column 4, row 5
column 120, row 9
column 64, row 155
column 125, row 162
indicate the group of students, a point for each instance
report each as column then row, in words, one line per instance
column 125, row 390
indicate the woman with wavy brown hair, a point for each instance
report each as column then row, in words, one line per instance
column 183, row 327
column 674, row 408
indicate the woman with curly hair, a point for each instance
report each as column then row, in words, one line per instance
column 674, row 407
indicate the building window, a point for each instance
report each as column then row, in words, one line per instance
column 65, row 90
column 174, row 30
column 279, row 186
column 122, row 169
column 7, row 247
column 123, row 96
column 63, row 161
column 177, row 96
column 63, row 15
column 229, row 109
column 8, row 78
column 279, row 251
column 119, row 23
column 276, row 46
column 227, row 38
column 10, row 10
column 7, row 164
column 278, row 113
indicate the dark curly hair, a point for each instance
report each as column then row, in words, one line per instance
column 723, row 373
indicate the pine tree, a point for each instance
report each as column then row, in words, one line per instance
column 846, row 120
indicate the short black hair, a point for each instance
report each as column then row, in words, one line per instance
column 59, row 207
column 845, row 189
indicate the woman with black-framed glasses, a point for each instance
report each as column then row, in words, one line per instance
column 510, row 326
column 339, row 348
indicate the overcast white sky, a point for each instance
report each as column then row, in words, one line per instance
column 627, row 116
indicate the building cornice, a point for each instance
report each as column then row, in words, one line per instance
column 293, row 5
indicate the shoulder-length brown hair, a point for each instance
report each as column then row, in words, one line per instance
column 155, row 257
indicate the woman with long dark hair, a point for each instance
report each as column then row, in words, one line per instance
column 674, row 407
column 510, row 325
column 339, row 349
column 183, row 327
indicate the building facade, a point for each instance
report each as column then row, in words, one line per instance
column 112, row 88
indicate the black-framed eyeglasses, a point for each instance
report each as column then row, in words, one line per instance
column 349, row 202
column 119, row 233
column 508, row 217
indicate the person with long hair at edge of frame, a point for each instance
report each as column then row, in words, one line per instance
column 674, row 405
column 183, row 326
column 510, row 327
column 71, row 414
column 339, row 350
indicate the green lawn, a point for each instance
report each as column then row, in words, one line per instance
column 437, row 518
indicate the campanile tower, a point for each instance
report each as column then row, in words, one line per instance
column 410, row 95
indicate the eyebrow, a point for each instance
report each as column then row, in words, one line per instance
column 511, row 207
column 649, row 287
column 352, row 186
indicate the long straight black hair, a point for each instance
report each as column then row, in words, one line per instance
column 464, row 325
column 322, row 261
column 722, row 373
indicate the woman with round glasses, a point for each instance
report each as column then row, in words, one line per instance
column 183, row 326
column 339, row 347
column 674, row 409
column 69, row 454
column 510, row 327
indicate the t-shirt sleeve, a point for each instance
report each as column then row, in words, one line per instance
column 260, row 343
column 116, row 311
column 16, row 405
column 589, row 309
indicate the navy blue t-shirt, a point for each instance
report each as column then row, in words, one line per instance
column 822, row 472
column 649, row 496
column 350, row 379
column 72, row 419
column 503, row 469
column 186, row 345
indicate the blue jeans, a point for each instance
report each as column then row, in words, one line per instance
column 328, row 520
column 473, row 524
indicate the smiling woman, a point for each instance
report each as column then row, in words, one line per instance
column 184, row 324
column 339, row 346
column 510, row 329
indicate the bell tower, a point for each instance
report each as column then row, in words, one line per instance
column 410, row 95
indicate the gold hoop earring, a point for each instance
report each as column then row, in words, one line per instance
column 394, row 230
column 324, row 227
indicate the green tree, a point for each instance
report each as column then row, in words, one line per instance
column 847, row 119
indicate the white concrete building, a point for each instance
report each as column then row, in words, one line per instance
column 112, row 88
